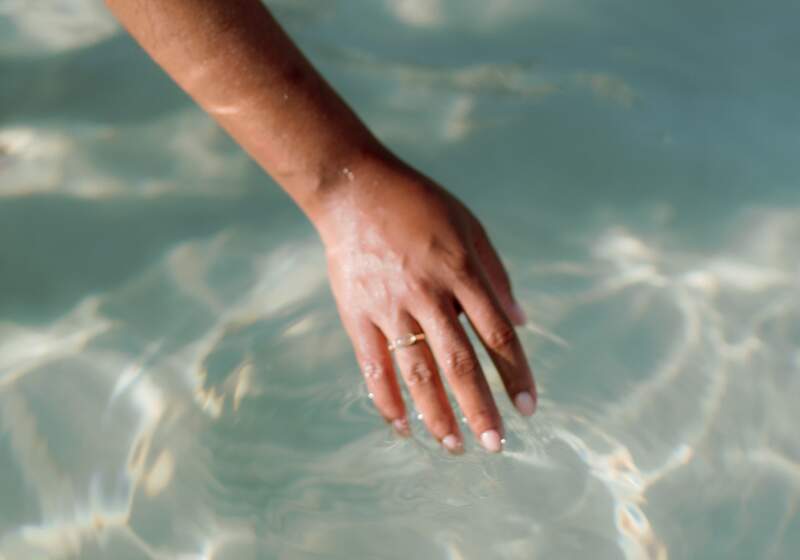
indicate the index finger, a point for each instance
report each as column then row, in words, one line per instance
column 500, row 339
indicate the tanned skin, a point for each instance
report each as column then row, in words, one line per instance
column 404, row 255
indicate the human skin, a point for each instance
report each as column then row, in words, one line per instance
column 404, row 255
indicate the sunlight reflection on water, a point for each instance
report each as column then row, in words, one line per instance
column 174, row 382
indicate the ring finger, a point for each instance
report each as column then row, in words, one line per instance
column 461, row 368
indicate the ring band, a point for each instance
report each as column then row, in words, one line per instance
column 405, row 341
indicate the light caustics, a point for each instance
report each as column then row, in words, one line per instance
column 167, row 438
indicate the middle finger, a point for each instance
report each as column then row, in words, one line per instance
column 420, row 374
column 460, row 365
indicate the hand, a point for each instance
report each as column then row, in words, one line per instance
column 404, row 256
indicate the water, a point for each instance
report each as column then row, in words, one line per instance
column 174, row 382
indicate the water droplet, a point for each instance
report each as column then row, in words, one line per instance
column 371, row 396
column 419, row 416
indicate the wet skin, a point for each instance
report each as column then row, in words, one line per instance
column 404, row 255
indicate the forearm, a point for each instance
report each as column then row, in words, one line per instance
column 404, row 255
column 234, row 59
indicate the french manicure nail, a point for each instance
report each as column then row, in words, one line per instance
column 525, row 403
column 452, row 443
column 491, row 441
column 517, row 314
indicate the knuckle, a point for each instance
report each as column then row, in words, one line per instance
column 441, row 308
column 461, row 364
column 501, row 337
column 419, row 373
column 373, row 371
column 415, row 286
column 461, row 264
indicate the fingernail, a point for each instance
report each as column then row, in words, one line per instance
column 517, row 314
column 525, row 403
column 401, row 426
column 452, row 443
column 491, row 441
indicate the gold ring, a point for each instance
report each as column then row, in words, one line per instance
column 404, row 341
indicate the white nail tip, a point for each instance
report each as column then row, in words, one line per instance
column 490, row 440
column 525, row 403
column 451, row 443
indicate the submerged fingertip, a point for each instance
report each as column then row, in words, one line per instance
column 400, row 425
column 525, row 403
column 453, row 444
column 517, row 314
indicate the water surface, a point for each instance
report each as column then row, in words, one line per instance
column 174, row 382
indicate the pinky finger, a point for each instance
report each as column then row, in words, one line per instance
column 376, row 366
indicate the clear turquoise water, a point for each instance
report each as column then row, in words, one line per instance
column 174, row 382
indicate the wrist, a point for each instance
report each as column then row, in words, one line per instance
column 349, row 185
